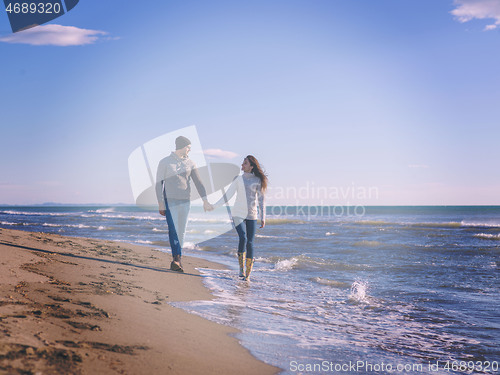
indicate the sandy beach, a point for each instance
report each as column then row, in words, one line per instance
column 84, row 306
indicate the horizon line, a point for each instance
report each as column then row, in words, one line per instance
column 55, row 204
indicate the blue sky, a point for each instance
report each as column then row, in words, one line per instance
column 400, row 97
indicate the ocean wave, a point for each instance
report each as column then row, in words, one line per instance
column 375, row 222
column 264, row 236
column 163, row 243
column 304, row 261
column 448, row 224
column 330, row 234
column 162, row 250
column 131, row 217
column 218, row 221
column 480, row 225
column 332, row 283
column 307, row 240
column 144, row 242
column 27, row 213
column 159, row 230
column 9, row 223
column 103, row 210
column 79, row 226
column 367, row 243
column 190, row 246
column 186, row 246
column 286, row 264
column 488, row 236
column 284, row 221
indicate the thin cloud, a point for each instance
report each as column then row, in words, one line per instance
column 54, row 35
column 418, row 166
column 217, row 152
column 468, row 10
column 48, row 183
column 8, row 185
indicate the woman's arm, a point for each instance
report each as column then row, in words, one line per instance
column 262, row 207
column 228, row 194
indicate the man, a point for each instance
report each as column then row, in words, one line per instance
column 173, row 191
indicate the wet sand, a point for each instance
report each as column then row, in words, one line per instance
column 85, row 306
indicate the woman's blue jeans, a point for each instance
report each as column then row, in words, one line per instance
column 246, row 232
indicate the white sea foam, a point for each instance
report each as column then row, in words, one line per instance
column 264, row 236
column 329, row 282
column 51, row 225
column 280, row 221
column 102, row 210
column 199, row 220
column 162, row 250
column 189, row 245
column 272, row 332
column 133, row 217
column 375, row 222
column 286, row 264
column 447, row 224
column 27, row 213
column 80, row 226
column 358, row 292
column 481, row 224
column 145, row 242
column 488, row 236
column 330, row 234
column 9, row 223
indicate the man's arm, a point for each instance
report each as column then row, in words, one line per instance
column 201, row 189
column 195, row 175
column 160, row 175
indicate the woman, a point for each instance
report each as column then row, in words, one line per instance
column 250, row 188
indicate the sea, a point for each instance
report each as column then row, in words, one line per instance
column 361, row 290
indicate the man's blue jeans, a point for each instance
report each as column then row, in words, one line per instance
column 177, row 212
column 246, row 232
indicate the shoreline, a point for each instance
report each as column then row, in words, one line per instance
column 72, row 305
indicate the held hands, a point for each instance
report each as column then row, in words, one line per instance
column 162, row 212
column 262, row 223
column 207, row 206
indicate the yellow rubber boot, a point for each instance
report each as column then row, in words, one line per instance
column 241, row 261
column 249, row 263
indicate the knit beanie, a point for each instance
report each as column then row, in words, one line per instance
column 181, row 142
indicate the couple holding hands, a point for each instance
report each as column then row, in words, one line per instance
column 173, row 191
